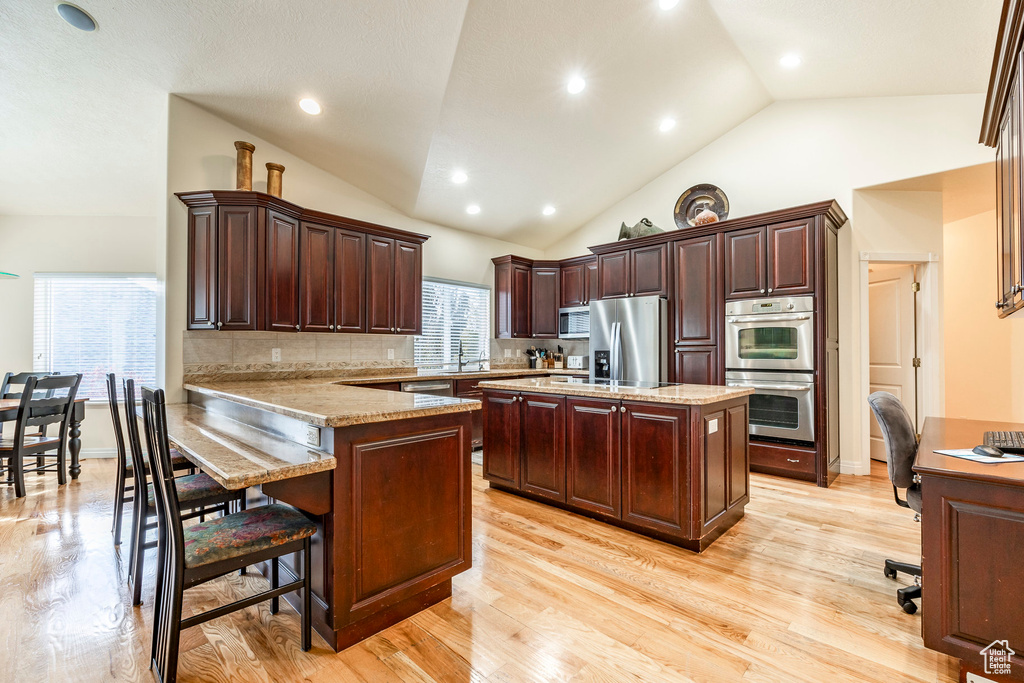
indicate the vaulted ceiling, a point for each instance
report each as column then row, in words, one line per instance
column 414, row 89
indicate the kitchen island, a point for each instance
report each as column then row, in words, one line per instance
column 666, row 461
column 385, row 476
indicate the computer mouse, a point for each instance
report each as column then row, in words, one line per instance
column 990, row 451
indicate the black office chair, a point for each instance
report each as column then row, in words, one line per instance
column 901, row 447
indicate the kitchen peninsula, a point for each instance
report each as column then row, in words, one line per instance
column 385, row 475
column 668, row 461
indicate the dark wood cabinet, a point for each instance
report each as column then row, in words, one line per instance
column 521, row 298
column 349, row 281
column 790, row 258
column 572, row 286
column 257, row 262
column 543, row 445
column 592, row 455
column 316, row 293
column 696, row 365
column 745, row 264
column 590, row 281
column 380, row 285
column 503, row 432
column 202, row 268
column 280, row 275
column 654, row 473
column 236, row 268
column 512, row 297
column 696, row 293
column 633, row 272
column 544, row 286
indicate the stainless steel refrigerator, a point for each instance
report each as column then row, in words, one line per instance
column 628, row 339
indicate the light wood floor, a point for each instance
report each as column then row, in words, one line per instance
column 794, row 592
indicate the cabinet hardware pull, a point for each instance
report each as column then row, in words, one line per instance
column 999, row 304
column 762, row 291
column 296, row 327
column 622, row 409
column 218, row 325
column 332, row 327
column 791, row 460
column 769, row 290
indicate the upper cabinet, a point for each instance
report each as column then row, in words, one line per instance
column 696, row 291
column 776, row 260
column 544, row 287
column 633, row 272
column 257, row 262
column 511, row 297
column 578, row 282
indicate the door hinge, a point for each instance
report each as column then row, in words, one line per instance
column 915, row 286
column 917, row 362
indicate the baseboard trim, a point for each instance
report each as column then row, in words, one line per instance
column 98, row 453
column 854, row 468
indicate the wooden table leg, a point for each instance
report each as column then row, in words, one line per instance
column 75, row 441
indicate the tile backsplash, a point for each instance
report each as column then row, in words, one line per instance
column 210, row 354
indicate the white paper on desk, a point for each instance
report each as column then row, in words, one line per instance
column 969, row 454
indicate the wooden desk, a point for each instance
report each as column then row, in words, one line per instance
column 9, row 413
column 972, row 547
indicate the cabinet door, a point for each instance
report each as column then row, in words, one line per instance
column 724, row 466
column 501, row 437
column 544, row 302
column 696, row 290
column 697, row 365
column 279, row 277
column 590, row 282
column 503, row 301
column 349, row 281
column 745, row 263
column 543, row 445
column 236, row 268
column 592, row 455
column 571, row 287
column 520, row 301
column 791, row 258
column 613, row 275
column 654, row 474
column 408, row 287
column 737, row 438
column 202, row 268
column 648, row 271
column 317, row 289
column 380, row 285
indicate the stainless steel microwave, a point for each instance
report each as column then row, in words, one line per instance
column 574, row 322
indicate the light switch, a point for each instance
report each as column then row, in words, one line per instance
column 275, row 355
column 712, row 426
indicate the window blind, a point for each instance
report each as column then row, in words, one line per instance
column 95, row 324
column 453, row 312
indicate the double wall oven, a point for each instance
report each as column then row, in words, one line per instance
column 769, row 346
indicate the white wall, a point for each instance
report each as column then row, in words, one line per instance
column 201, row 156
column 66, row 244
column 796, row 152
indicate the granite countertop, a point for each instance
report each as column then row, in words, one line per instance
column 325, row 403
column 236, row 455
column 440, row 374
column 680, row 394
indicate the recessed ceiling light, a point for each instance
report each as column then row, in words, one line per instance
column 576, row 85
column 667, row 124
column 76, row 16
column 548, row 210
column 310, row 106
column 790, row 61
column 667, row 4
column 473, row 209
column 459, row 177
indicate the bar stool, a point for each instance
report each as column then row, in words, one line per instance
column 194, row 555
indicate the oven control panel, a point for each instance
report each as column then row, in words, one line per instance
column 793, row 304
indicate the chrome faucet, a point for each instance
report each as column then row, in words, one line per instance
column 461, row 364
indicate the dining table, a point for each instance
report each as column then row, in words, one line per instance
column 9, row 413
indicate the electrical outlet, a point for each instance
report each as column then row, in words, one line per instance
column 391, row 354
column 275, row 355
column 508, row 353
column 712, row 426
column 519, row 353
column 313, row 436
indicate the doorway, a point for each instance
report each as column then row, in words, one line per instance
column 893, row 354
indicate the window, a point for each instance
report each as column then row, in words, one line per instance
column 95, row 324
column 453, row 312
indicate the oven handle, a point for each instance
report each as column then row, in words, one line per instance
column 763, row 385
column 783, row 318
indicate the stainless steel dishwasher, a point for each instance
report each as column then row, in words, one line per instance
column 434, row 387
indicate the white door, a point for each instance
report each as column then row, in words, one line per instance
column 891, row 320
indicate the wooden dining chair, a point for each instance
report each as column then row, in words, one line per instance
column 45, row 401
column 196, row 554
column 11, row 388
column 198, row 494
column 125, row 485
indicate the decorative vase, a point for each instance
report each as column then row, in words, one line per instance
column 243, row 165
column 704, row 217
column 274, row 172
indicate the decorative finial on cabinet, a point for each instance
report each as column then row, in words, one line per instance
column 243, row 165
column 274, row 172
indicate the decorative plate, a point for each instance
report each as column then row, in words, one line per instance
column 697, row 199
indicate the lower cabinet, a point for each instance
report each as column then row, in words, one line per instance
column 676, row 472
column 696, row 365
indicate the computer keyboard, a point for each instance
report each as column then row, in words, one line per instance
column 1009, row 442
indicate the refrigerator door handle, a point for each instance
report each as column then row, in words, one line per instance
column 616, row 352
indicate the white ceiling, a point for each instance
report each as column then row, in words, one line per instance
column 414, row 89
